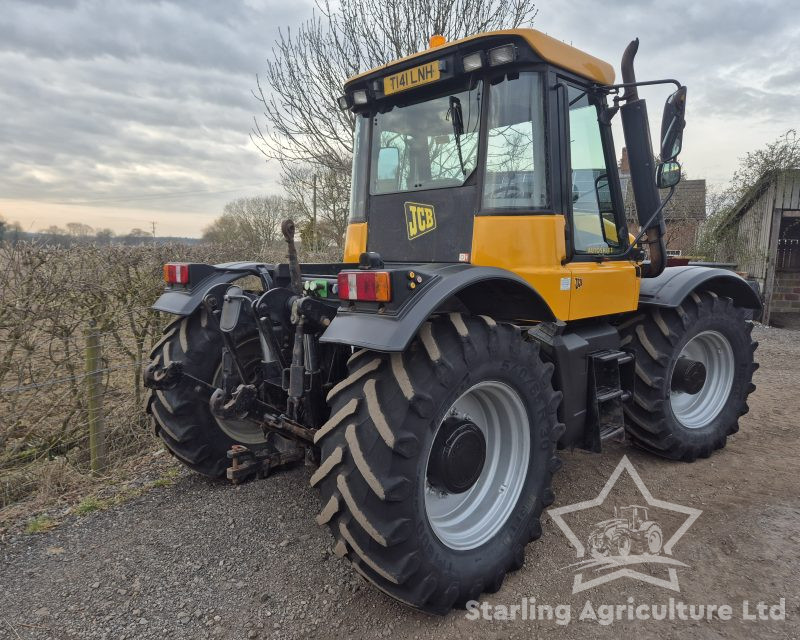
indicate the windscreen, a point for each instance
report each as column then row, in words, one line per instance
column 426, row 145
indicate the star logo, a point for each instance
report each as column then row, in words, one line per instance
column 632, row 537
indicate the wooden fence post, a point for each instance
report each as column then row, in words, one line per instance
column 94, row 400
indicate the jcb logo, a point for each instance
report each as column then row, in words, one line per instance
column 420, row 218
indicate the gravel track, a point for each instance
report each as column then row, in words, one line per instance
column 201, row 559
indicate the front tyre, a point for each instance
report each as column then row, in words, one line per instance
column 436, row 463
column 694, row 371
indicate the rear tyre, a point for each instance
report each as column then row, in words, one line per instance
column 436, row 463
column 181, row 416
column 673, row 422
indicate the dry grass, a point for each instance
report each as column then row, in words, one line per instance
column 49, row 298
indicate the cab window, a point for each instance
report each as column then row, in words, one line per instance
column 594, row 214
column 516, row 172
column 426, row 145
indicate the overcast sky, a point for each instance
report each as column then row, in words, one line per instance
column 121, row 113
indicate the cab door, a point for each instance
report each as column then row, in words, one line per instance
column 602, row 283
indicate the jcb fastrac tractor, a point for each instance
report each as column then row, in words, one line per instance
column 491, row 308
column 629, row 530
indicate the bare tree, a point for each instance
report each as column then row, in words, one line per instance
column 302, row 123
column 332, row 203
column 252, row 224
column 103, row 236
column 79, row 230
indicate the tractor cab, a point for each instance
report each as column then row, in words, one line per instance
column 633, row 515
column 478, row 128
column 497, row 150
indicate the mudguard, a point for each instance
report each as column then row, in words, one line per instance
column 491, row 291
column 671, row 287
column 184, row 300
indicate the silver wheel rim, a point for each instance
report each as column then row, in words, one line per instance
column 467, row 520
column 695, row 411
column 242, row 431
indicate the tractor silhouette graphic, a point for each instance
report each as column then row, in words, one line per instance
column 629, row 531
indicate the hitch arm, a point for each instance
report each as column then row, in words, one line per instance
column 244, row 402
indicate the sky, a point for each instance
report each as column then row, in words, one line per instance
column 124, row 114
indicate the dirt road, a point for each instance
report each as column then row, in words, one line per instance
column 201, row 559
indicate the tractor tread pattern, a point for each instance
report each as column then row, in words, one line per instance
column 653, row 336
column 365, row 500
column 181, row 416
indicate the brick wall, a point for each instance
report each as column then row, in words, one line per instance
column 683, row 214
column 786, row 295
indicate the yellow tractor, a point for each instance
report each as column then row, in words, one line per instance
column 491, row 308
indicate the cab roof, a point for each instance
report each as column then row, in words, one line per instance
column 549, row 49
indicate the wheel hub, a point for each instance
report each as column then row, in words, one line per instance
column 689, row 376
column 700, row 404
column 457, row 456
column 489, row 471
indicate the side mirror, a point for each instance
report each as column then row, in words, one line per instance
column 672, row 124
column 388, row 164
column 668, row 174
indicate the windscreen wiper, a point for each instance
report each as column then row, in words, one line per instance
column 457, row 118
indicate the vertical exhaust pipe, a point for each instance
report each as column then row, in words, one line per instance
column 636, row 129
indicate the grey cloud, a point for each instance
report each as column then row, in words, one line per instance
column 131, row 99
column 113, row 99
column 740, row 59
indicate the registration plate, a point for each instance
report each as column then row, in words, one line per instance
column 411, row 78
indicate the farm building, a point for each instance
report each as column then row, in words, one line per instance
column 762, row 235
column 684, row 213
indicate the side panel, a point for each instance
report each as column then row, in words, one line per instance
column 422, row 226
column 603, row 288
column 533, row 247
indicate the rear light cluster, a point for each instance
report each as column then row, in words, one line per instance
column 367, row 286
column 176, row 273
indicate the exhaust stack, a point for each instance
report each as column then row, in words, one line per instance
column 636, row 129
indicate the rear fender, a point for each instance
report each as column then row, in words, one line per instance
column 184, row 300
column 490, row 291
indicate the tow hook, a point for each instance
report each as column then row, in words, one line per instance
column 237, row 405
column 246, row 463
column 157, row 377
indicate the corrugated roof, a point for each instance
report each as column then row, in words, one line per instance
column 788, row 198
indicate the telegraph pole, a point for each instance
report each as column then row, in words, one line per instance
column 314, row 211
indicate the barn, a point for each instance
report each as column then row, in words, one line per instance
column 684, row 213
column 762, row 235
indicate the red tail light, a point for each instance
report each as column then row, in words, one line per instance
column 176, row 273
column 370, row 286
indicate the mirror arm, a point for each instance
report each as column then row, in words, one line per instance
column 652, row 219
column 609, row 88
